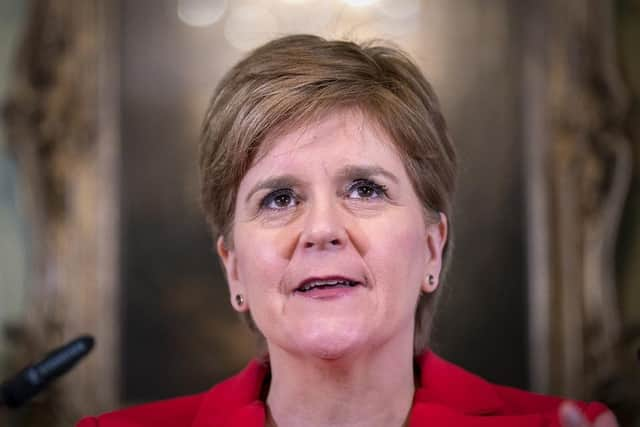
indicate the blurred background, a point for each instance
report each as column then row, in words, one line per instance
column 101, row 230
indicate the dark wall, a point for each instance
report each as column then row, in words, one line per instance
column 180, row 334
column 482, row 323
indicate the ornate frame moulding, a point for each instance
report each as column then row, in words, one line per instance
column 62, row 121
column 579, row 167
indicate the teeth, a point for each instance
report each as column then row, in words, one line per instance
column 311, row 285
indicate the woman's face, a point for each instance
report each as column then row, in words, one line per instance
column 331, row 249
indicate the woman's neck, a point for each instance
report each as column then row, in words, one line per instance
column 373, row 389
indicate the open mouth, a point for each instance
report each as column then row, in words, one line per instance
column 326, row 284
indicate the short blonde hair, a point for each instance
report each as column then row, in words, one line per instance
column 294, row 79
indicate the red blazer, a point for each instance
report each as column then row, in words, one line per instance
column 448, row 397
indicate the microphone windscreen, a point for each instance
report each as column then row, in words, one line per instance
column 31, row 380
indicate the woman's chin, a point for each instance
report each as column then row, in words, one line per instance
column 328, row 343
column 326, row 351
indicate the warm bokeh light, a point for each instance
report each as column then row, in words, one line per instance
column 247, row 26
column 397, row 28
column 304, row 16
column 360, row 3
column 201, row 13
column 399, row 9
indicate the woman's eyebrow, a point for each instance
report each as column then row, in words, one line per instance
column 345, row 172
column 279, row 181
column 364, row 171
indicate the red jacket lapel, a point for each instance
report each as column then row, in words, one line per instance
column 448, row 396
column 236, row 401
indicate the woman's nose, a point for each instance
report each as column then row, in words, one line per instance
column 324, row 228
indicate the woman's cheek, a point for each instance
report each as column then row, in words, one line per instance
column 402, row 233
column 266, row 257
column 259, row 264
column 406, row 249
column 284, row 241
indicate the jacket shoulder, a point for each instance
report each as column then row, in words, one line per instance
column 175, row 412
column 463, row 392
column 234, row 398
column 525, row 402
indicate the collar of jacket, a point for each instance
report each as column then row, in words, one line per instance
column 445, row 389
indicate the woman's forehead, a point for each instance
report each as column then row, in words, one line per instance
column 338, row 132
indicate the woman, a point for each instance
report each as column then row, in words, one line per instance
column 327, row 179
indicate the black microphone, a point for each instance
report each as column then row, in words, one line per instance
column 31, row 380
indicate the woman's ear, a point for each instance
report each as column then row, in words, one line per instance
column 436, row 241
column 237, row 291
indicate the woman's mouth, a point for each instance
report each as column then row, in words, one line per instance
column 326, row 288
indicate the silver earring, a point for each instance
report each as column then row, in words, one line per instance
column 239, row 300
column 432, row 280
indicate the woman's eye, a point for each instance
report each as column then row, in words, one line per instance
column 279, row 200
column 285, row 198
column 366, row 189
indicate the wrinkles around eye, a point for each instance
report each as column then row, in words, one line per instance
column 280, row 199
column 362, row 190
